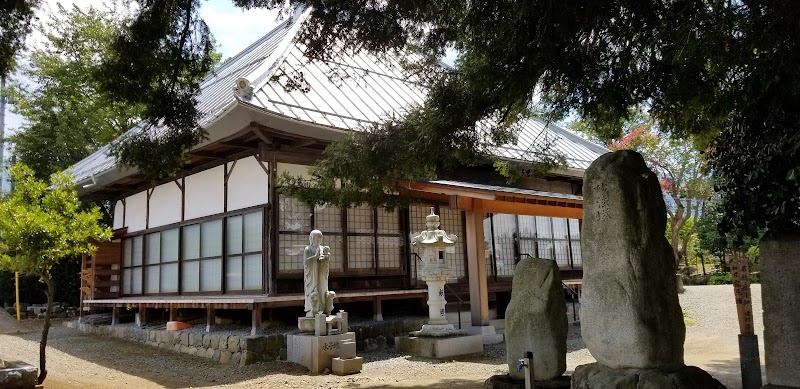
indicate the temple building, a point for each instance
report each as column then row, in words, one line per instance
column 220, row 235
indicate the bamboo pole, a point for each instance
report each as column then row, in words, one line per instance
column 16, row 284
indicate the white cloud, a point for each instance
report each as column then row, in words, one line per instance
column 234, row 28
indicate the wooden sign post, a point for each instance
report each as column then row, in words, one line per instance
column 748, row 340
column 740, row 275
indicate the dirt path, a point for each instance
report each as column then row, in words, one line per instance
column 77, row 360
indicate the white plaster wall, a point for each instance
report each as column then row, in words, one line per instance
column 119, row 212
column 292, row 169
column 136, row 211
column 165, row 205
column 248, row 184
column 205, row 193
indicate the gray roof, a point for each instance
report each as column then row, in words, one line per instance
column 509, row 190
column 349, row 93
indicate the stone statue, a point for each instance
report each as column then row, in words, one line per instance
column 315, row 276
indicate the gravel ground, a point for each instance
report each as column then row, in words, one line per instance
column 77, row 360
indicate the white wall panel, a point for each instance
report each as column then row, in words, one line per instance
column 248, row 184
column 136, row 211
column 205, row 193
column 292, row 169
column 165, row 205
column 119, row 215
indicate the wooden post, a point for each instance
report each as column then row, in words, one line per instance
column 16, row 286
column 256, row 319
column 377, row 308
column 173, row 313
column 741, row 290
column 142, row 315
column 749, row 358
column 210, row 315
column 115, row 315
column 476, row 265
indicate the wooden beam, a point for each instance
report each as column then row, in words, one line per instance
column 531, row 209
column 204, row 154
column 263, row 135
column 476, row 265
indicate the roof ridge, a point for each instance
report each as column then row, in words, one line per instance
column 225, row 65
column 260, row 76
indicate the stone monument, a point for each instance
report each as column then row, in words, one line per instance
column 326, row 342
column 437, row 338
column 632, row 323
column 536, row 322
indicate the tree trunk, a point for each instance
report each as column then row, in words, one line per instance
column 703, row 264
column 45, row 330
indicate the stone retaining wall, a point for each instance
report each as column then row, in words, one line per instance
column 234, row 350
column 245, row 350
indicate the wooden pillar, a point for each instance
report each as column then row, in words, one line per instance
column 142, row 315
column 476, row 265
column 114, row 315
column 210, row 316
column 377, row 308
column 173, row 313
column 256, row 319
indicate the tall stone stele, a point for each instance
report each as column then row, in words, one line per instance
column 630, row 313
column 536, row 320
column 631, row 320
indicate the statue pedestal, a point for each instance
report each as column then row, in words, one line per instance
column 317, row 352
column 439, row 347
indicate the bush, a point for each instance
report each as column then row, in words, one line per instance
column 718, row 279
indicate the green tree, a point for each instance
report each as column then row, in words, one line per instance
column 41, row 223
column 685, row 181
column 67, row 117
column 725, row 71
column 15, row 25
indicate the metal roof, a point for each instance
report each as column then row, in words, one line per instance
column 505, row 189
column 349, row 92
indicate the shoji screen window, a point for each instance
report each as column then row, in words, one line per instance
column 390, row 240
column 132, row 265
column 161, row 262
column 360, row 238
column 294, row 225
column 243, row 258
column 328, row 219
column 202, row 257
column 452, row 222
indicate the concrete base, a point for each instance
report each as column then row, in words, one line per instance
column 439, row 347
column 315, row 352
column 18, row 375
column 347, row 366
column 438, row 331
column 506, row 382
column 487, row 333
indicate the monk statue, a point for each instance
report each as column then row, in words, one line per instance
column 315, row 276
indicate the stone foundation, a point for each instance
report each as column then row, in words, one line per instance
column 251, row 349
column 440, row 347
column 18, row 375
column 597, row 376
column 234, row 350
column 507, row 382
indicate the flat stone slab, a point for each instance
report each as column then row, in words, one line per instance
column 597, row 376
column 439, row 347
column 507, row 382
column 17, row 375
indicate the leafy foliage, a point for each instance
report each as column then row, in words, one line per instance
column 42, row 223
column 158, row 61
column 723, row 71
column 40, row 226
column 15, row 23
column 66, row 116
